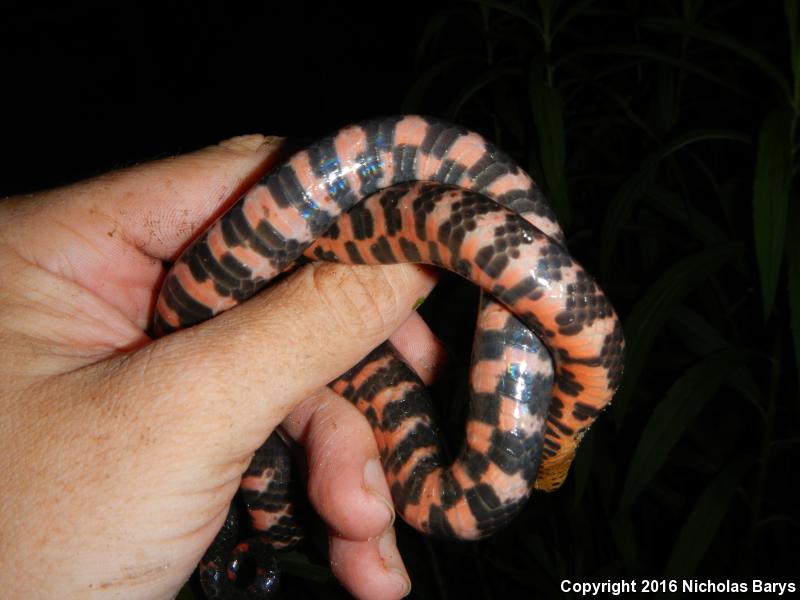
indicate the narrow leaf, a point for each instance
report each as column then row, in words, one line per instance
column 433, row 29
column 549, row 122
column 622, row 205
column 686, row 214
column 793, row 256
column 773, row 178
column 700, row 337
column 510, row 9
column 534, row 546
column 655, row 307
column 547, row 8
column 696, row 332
column 572, row 10
column 298, row 564
column 723, row 40
column 790, row 6
column 673, row 416
column 480, row 81
column 650, row 53
column 620, row 208
column 703, row 522
column 414, row 98
column 700, row 135
column 624, row 536
column 791, row 9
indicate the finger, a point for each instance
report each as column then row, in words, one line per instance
column 109, row 234
column 346, row 484
column 370, row 569
column 420, row 348
column 158, row 206
column 234, row 378
column 186, row 193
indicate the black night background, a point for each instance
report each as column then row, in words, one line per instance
column 664, row 134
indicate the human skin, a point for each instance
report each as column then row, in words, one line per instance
column 119, row 454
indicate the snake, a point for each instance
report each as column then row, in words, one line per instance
column 548, row 351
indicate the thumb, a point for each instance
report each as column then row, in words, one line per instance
column 234, row 378
column 146, row 448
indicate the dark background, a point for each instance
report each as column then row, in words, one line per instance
column 664, row 134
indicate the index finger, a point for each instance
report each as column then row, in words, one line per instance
column 160, row 206
column 109, row 234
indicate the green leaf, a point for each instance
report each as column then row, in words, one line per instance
column 696, row 332
column 655, row 307
column 700, row 135
column 649, row 53
column 573, row 10
column 547, row 8
column 298, row 564
column 514, row 11
column 723, row 40
column 542, row 553
column 473, row 87
column 674, row 207
column 549, row 122
column 703, row 522
column 433, row 29
column 624, row 105
column 673, row 416
column 791, row 9
column 413, row 101
column 698, row 335
column 508, row 115
column 668, row 98
column 620, row 208
column 793, row 267
column 624, row 535
column 622, row 205
column 773, row 179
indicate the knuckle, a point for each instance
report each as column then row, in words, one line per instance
column 361, row 300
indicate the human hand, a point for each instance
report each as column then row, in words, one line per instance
column 119, row 454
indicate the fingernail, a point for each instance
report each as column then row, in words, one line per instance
column 441, row 360
column 250, row 143
column 271, row 141
column 375, row 483
column 438, row 362
column 387, row 548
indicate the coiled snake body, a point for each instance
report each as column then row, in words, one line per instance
column 547, row 357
